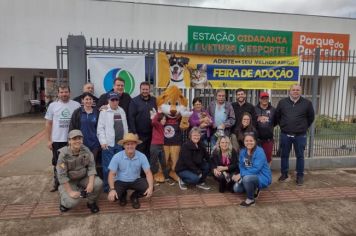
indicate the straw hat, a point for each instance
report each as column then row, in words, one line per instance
column 129, row 137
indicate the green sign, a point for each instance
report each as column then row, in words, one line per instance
column 242, row 41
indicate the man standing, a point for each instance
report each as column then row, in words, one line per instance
column 139, row 117
column 87, row 88
column 125, row 169
column 241, row 106
column 58, row 118
column 294, row 115
column 112, row 126
column 265, row 114
column 124, row 98
column 223, row 114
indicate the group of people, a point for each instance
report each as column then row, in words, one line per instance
column 120, row 139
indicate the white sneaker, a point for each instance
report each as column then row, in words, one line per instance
column 203, row 186
column 182, row 185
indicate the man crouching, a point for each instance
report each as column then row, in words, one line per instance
column 76, row 174
column 125, row 168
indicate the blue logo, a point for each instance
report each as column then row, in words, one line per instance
column 124, row 74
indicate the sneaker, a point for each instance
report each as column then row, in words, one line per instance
column 247, row 203
column 283, row 178
column 300, row 180
column 203, row 186
column 170, row 181
column 93, row 207
column 63, row 208
column 182, row 185
column 257, row 193
column 54, row 188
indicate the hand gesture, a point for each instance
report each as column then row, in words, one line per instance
column 236, row 178
column 148, row 192
column 217, row 173
column 153, row 113
column 49, row 145
column 89, row 188
column 112, row 195
column 74, row 194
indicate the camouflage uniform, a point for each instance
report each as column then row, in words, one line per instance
column 76, row 171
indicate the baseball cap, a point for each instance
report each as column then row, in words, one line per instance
column 75, row 133
column 264, row 94
column 113, row 95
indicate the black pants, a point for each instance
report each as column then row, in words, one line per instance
column 140, row 186
column 223, row 184
column 144, row 147
column 97, row 157
column 55, row 147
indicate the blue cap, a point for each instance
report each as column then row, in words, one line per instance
column 113, row 95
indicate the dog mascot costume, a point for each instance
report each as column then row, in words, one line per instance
column 174, row 106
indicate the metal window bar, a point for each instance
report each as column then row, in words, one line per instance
column 336, row 77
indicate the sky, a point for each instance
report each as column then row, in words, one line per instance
column 337, row 8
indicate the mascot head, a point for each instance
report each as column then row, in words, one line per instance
column 172, row 102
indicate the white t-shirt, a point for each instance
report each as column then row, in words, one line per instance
column 60, row 114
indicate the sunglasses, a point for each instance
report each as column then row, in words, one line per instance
column 114, row 99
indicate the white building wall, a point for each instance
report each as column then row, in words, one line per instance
column 14, row 101
column 31, row 29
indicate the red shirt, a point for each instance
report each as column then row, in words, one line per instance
column 157, row 131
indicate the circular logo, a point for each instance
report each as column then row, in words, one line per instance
column 169, row 131
column 65, row 113
column 124, row 74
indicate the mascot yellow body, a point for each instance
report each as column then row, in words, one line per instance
column 173, row 105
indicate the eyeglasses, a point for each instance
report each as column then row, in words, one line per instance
column 114, row 100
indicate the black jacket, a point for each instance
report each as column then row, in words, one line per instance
column 239, row 110
column 217, row 161
column 294, row 118
column 191, row 157
column 139, row 118
column 265, row 130
column 124, row 101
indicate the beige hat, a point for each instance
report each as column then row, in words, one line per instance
column 129, row 137
column 75, row 133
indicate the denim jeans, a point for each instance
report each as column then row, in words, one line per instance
column 106, row 156
column 248, row 184
column 190, row 177
column 299, row 142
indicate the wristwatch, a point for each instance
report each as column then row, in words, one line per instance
column 111, row 189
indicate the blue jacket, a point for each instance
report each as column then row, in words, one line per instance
column 258, row 167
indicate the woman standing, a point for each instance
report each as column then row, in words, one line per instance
column 85, row 118
column 246, row 127
column 200, row 118
column 224, row 163
column 254, row 171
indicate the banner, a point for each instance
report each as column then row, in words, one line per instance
column 104, row 69
column 332, row 46
column 249, row 41
column 225, row 72
column 268, row 42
